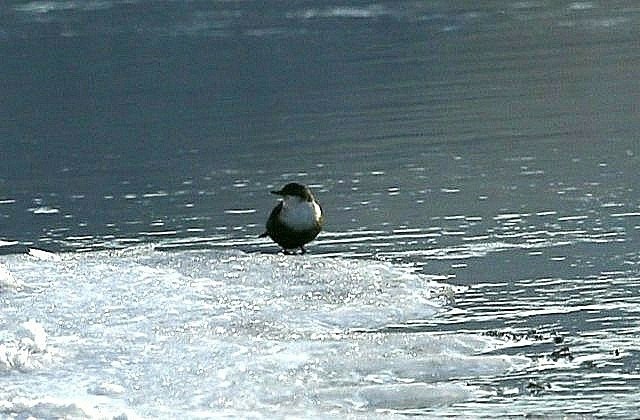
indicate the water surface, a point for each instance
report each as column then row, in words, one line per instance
column 491, row 145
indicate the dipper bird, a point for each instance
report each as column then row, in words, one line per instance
column 296, row 220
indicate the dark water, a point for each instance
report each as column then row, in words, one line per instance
column 492, row 143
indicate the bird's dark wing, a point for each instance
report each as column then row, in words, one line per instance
column 271, row 222
column 321, row 221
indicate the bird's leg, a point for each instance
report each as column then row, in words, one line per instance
column 302, row 250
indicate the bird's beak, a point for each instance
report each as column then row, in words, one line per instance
column 276, row 192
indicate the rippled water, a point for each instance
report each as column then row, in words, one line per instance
column 494, row 146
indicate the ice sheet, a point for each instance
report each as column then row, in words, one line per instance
column 142, row 333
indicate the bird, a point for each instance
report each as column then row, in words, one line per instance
column 296, row 220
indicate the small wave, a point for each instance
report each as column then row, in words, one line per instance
column 45, row 6
column 240, row 211
column 627, row 214
column 368, row 12
column 44, row 210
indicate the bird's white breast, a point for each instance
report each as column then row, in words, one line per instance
column 300, row 214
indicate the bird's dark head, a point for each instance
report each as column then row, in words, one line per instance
column 296, row 190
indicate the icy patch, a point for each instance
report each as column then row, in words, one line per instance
column 224, row 333
column 43, row 255
column 106, row 388
column 308, row 294
column 403, row 396
column 25, row 350
column 33, row 337
column 7, row 280
column 52, row 408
